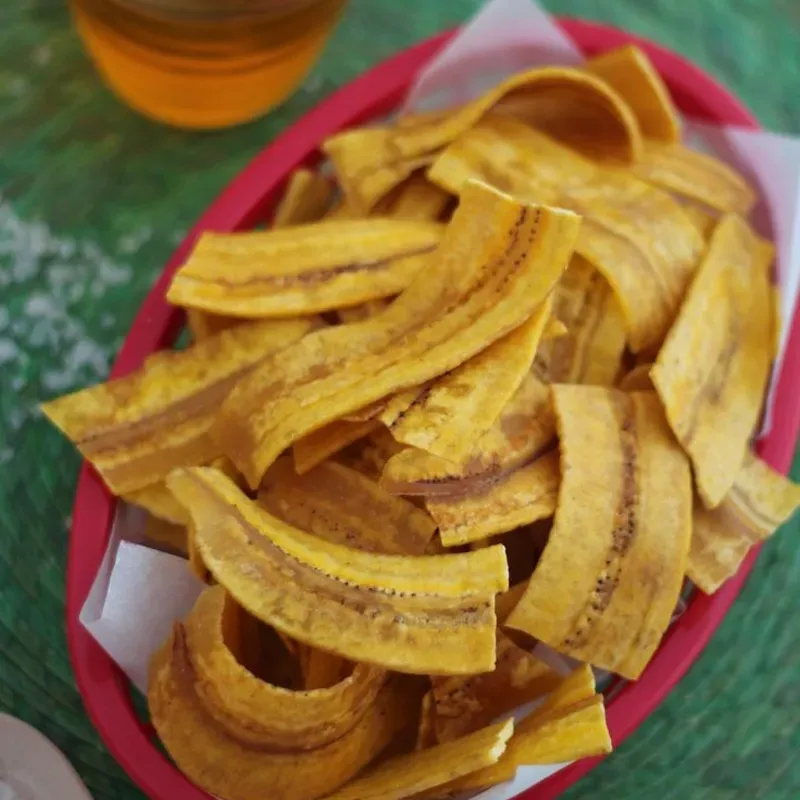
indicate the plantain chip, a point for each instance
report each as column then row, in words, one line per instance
column 321, row 670
column 525, row 427
column 507, row 601
column 223, row 765
column 631, row 73
column 489, row 279
column 302, row 269
column 759, row 501
column 135, row 429
column 361, row 312
column 307, row 197
column 637, row 379
column 370, row 455
column 697, row 176
column 158, row 501
column 703, row 220
column 411, row 774
column 591, row 349
column 612, row 569
column 635, row 235
column 203, row 325
column 463, row 705
column 416, row 614
column 426, row 733
column 319, row 446
column 523, row 496
column 445, row 417
column 418, row 199
column 565, row 102
column 713, row 368
column 342, row 506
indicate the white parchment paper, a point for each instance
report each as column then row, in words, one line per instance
column 140, row 592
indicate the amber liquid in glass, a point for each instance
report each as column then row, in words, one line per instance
column 204, row 63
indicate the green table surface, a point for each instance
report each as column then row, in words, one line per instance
column 92, row 200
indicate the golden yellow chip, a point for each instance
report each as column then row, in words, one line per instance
column 523, row 496
column 416, row 614
column 525, row 428
column 697, row 176
column 414, row 773
column 307, row 197
column 637, row 379
column 417, row 199
column 487, row 280
column 613, row 566
column 302, row 269
column 447, row 416
column 759, row 501
column 703, row 220
column 362, row 311
column 341, row 505
column 218, row 761
column 158, row 500
column 713, row 369
column 136, row 429
column 633, row 75
column 312, row 450
column 565, row 102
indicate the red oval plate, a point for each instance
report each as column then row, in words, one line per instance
column 247, row 200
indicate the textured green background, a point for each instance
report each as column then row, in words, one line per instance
column 92, row 200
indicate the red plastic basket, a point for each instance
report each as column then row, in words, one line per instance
column 247, row 200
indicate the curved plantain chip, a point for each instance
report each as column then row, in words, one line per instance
column 703, row 220
column 445, row 418
column 417, row 199
column 565, row 102
column 636, row 235
column 416, row 614
column 256, row 712
column 612, row 569
column 302, row 269
column 411, row 774
column 158, row 501
column 426, row 733
column 523, row 496
column 319, row 446
column 759, row 501
column 370, row 455
column 506, row 601
column 361, row 312
column 342, row 506
column 225, row 766
column 307, row 197
column 488, row 280
column 638, row 379
column 463, row 705
column 713, row 369
column 697, row 176
column 591, row 348
column 135, row 429
column 631, row 73
column 524, row 429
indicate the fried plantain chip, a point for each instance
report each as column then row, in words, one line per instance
column 488, row 280
column 464, row 705
column 215, row 759
column 637, row 379
column 525, row 427
column 203, row 325
column 506, row 601
column 636, row 235
column 370, row 455
column 426, row 733
column 303, row 269
column 612, row 569
column 259, row 713
column 418, row 199
column 445, row 418
column 158, row 501
column 319, row 446
column 523, row 496
column 322, row 670
column 342, row 506
column 361, row 312
column 697, row 176
column 307, row 197
column 631, row 73
column 713, row 369
column 417, row 614
column 565, row 102
column 409, row 775
column 594, row 340
column 759, row 501
column 136, row 429
column 702, row 220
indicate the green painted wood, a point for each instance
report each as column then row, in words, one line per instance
column 92, row 200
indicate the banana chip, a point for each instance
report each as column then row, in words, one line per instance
column 307, row 197
column 361, row 312
column 712, row 371
column 638, row 379
column 445, row 417
column 611, row 572
column 696, row 176
column 759, row 501
column 136, row 429
column 488, row 280
column 703, row 220
column 414, row 773
column 302, row 269
column 342, row 506
column 215, row 759
column 159, row 501
column 312, row 450
column 419, row 199
column 561, row 101
column 630, row 72
column 519, row 498
column 417, row 614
